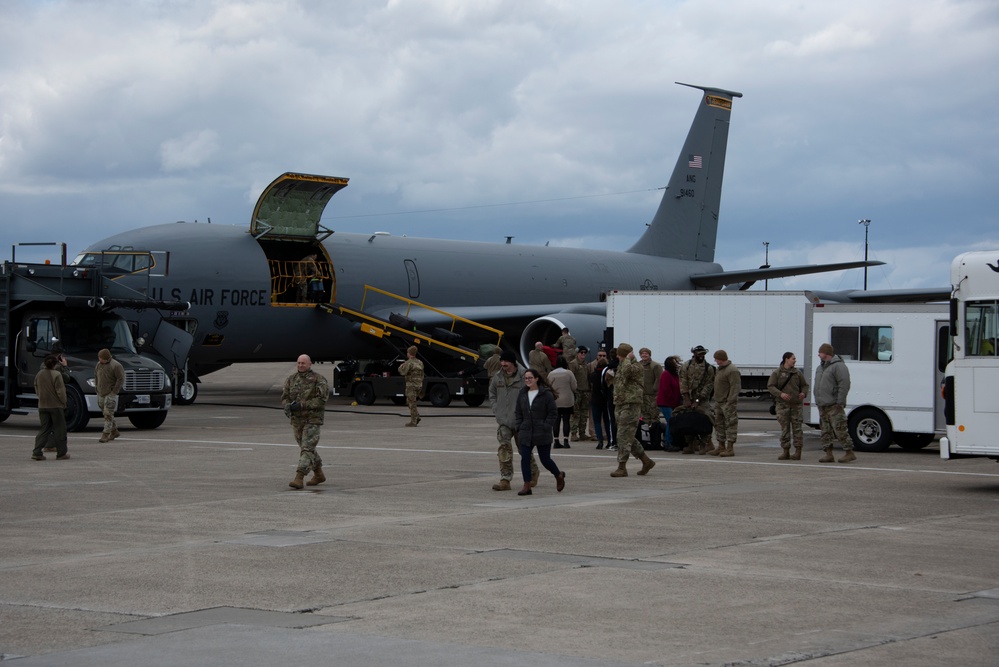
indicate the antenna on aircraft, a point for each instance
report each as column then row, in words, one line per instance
column 509, row 239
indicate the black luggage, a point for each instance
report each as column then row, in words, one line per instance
column 446, row 336
column 650, row 436
column 402, row 321
column 689, row 422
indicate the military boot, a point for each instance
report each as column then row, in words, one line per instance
column 535, row 476
column 848, row 456
column 717, row 451
column 647, row 464
column 299, row 480
column 785, row 453
column 729, row 450
column 115, row 434
column 828, row 458
column 704, row 448
column 502, row 485
column 105, row 437
column 622, row 470
column 797, row 453
column 317, row 476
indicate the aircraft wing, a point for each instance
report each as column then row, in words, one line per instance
column 722, row 278
column 917, row 295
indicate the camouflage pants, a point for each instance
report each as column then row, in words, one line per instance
column 789, row 418
column 832, row 420
column 307, row 437
column 108, row 405
column 650, row 411
column 627, row 424
column 726, row 423
column 505, row 435
column 580, row 413
column 411, row 395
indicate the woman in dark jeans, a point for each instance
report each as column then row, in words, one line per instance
column 599, row 405
column 536, row 416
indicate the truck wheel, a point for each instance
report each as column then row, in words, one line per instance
column 474, row 400
column 870, row 430
column 439, row 396
column 147, row 420
column 187, row 393
column 913, row 442
column 77, row 416
column 364, row 394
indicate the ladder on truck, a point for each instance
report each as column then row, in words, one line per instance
column 400, row 329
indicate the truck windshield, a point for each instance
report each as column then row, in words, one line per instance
column 81, row 334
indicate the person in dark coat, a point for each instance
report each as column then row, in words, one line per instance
column 536, row 416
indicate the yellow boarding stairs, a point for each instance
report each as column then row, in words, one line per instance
column 444, row 340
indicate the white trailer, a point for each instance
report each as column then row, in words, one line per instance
column 896, row 353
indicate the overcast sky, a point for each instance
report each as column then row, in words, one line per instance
column 547, row 120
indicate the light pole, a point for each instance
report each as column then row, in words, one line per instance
column 867, row 226
column 766, row 263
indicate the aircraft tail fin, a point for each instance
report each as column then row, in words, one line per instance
column 686, row 224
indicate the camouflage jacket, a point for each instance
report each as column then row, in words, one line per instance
column 412, row 370
column 582, row 372
column 629, row 383
column 311, row 390
column 697, row 381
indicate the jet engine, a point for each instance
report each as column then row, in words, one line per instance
column 586, row 328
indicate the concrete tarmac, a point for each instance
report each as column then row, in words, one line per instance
column 184, row 545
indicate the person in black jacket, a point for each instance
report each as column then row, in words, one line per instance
column 536, row 416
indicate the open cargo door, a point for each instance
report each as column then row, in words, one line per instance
column 291, row 206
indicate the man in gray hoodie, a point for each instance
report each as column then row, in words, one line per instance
column 504, row 387
column 831, row 385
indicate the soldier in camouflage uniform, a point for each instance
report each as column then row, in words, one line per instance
column 304, row 400
column 789, row 387
column 412, row 370
column 651, row 371
column 504, row 388
column 629, row 388
column 697, row 384
column 567, row 344
column 728, row 383
column 581, row 410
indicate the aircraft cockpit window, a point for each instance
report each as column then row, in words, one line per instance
column 116, row 261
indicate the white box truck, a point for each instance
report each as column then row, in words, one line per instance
column 896, row 353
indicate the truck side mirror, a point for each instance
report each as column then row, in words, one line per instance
column 953, row 316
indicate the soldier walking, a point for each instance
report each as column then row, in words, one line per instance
column 109, row 376
column 412, row 370
column 629, row 388
column 304, row 400
column 504, row 387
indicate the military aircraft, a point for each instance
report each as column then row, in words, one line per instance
column 247, row 287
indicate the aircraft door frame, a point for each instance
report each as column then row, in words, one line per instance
column 413, row 277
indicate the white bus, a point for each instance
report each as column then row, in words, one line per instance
column 971, row 381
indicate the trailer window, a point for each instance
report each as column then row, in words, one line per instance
column 870, row 343
column 980, row 322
